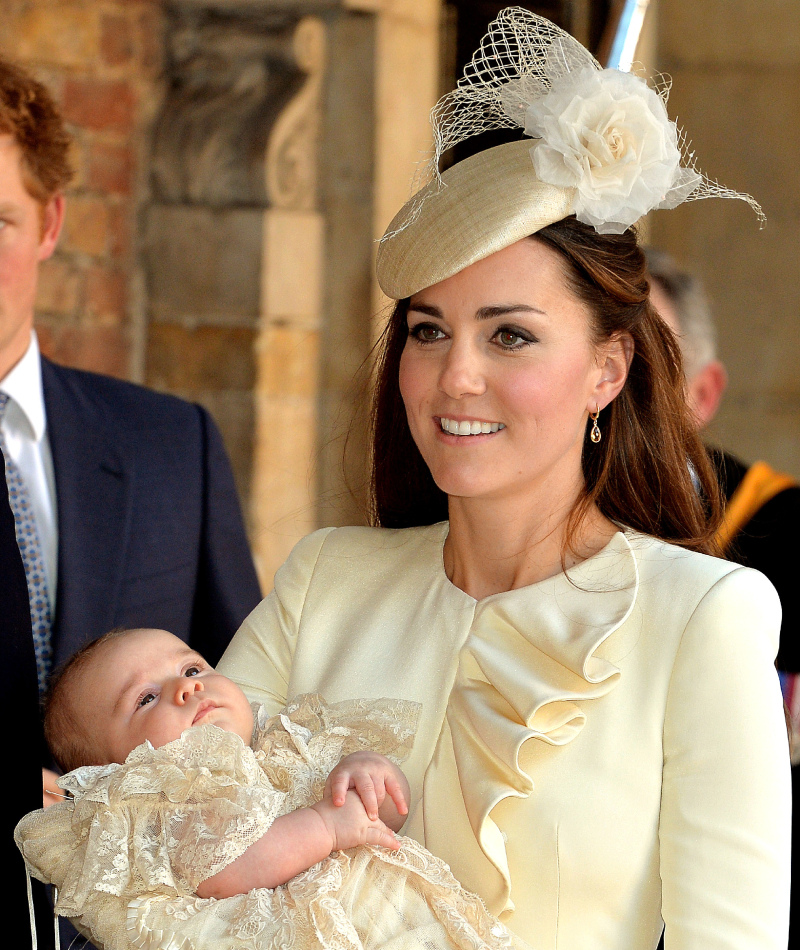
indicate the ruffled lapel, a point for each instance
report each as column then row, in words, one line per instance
column 530, row 663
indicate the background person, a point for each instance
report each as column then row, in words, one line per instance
column 125, row 504
column 763, row 505
column 24, row 742
column 762, row 520
column 125, row 507
column 601, row 743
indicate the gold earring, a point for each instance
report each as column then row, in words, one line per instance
column 595, row 435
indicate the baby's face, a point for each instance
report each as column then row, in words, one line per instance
column 148, row 684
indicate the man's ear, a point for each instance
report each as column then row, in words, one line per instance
column 704, row 392
column 52, row 221
column 614, row 360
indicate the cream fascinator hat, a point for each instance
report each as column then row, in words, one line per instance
column 603, row 149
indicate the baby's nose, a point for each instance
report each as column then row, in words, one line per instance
column 187, row 688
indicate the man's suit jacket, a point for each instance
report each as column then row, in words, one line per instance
column 150, row 531
column 23, row 745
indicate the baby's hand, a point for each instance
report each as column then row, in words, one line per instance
column 374, row 777
column 349, row 825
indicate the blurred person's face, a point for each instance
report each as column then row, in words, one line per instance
column 705, row 386
column 28, row 235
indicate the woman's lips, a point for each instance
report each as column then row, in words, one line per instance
column 462, row 427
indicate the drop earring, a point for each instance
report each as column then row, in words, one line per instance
column 595, row 435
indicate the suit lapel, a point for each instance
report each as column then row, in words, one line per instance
column 93, row 497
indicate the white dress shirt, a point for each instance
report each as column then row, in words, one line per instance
column 24, row 426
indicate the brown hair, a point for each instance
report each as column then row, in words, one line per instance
column 29, row 114
column 69, row 742
column 643, row 472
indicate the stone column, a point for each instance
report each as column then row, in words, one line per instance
column 283, row 506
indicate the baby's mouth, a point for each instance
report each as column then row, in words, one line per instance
column 205, row 707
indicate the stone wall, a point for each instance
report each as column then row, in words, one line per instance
column 102, row 59
column 736, row 71
column 235, row 161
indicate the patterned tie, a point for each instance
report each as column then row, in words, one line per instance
column 32, row 557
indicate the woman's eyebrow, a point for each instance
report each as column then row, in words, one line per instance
column 484, row 313
column 426, row 308
column 502, row 310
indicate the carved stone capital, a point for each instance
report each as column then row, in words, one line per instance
column 233, row 75
column 292, row 151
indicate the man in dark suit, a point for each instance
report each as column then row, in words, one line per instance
column 137, row 522
column 24, row 742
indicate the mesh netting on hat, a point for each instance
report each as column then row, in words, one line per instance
column 529, row 74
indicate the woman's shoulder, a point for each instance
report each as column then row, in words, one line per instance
column 380, row 548
column 655, row 556
column 671, row 572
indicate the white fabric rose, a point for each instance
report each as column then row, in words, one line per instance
column 607, row 134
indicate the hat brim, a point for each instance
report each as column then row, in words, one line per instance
column 488, row 202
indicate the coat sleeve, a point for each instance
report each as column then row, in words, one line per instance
column 227, row 587
column 260, row 656
column 726, row 798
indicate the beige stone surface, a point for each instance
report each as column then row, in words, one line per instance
column 736, row 74
column 406, row 88
column 753, row 32
column 59, row 287
column 745, row 129
column 283, row 505
column 346, row 172
column 203, row 265
column 288, row 360
column 86, row 225
column 59, row 32
column 292, row 272
column 200, row 359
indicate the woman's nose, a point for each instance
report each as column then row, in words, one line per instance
column 186, row 688
column 462, row 373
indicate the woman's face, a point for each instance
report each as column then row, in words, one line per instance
column 502, row 351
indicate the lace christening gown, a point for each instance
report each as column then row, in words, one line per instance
column 129, row 850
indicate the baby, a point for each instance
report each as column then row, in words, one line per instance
column 178, row 829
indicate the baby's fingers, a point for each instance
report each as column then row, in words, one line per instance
column 396, row 792
column 367, row 792
column 339, row 781
column 380, row 835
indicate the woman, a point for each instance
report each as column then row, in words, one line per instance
column 601, row 743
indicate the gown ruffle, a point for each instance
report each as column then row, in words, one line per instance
column 525, row 677
column 130, row 848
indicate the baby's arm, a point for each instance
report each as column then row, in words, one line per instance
column 380, row 784
column 297, row 841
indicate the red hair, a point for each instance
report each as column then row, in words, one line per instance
column 30, row 116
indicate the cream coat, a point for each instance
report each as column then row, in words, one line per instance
column 596, row 751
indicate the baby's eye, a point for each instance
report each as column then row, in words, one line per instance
column 193, row 671
column 145, row 699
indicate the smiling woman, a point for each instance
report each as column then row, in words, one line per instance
column 601, row 753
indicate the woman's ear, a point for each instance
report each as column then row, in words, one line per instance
column 614, row 360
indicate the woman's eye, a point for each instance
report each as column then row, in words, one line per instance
column 511, row 339
column 145, row 700
column 426, row 333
